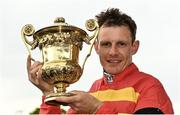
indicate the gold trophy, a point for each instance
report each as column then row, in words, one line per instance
column 60, row 45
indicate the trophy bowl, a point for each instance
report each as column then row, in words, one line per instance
column 60, row 45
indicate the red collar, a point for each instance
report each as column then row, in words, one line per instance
column 124, row 74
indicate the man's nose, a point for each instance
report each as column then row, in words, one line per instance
column 113, row 50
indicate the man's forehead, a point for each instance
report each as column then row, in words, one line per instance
column 113, row 40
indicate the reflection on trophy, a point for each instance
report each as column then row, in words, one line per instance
column 60, row 45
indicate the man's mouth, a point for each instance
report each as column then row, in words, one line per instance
column 114, row 61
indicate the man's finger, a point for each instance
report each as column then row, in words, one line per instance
column 36, row 63
column 69, row 99
column 75, row 92
column 35, row 69
column 73, row 107
column 28, row 62
column 39, row 73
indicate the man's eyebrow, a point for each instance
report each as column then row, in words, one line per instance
column 124, row 41
column 104, row 41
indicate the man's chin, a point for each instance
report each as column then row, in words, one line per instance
column 114, row 72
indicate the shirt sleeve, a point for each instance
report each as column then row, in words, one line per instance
column 156, row 97
column 49, row 109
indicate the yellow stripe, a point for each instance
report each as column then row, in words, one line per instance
column 125, row 94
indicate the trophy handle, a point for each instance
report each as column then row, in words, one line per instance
column 91, row 25
column 28, row 30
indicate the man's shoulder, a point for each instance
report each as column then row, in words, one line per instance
column 147, row 80
column 147, row 76
column 138, row 75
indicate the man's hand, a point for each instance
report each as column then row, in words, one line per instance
column 34, row 74
column 82, row 102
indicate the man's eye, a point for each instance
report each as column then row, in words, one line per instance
column 105, row 44
column 121, row 44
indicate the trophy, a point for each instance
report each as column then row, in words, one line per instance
column 60, row 45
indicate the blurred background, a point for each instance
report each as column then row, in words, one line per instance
column 158, row 31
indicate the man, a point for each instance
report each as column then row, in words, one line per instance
column 123, row 88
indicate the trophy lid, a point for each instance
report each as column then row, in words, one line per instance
column 59, row 26
column 60, row 32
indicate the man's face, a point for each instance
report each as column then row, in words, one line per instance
column 115, row 48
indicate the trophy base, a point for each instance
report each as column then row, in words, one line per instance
column 51, row 99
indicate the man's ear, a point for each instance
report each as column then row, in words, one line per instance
column 135, row 47
column 96, row 47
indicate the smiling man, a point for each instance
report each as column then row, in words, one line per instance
column 115, row 48
column 123, row 88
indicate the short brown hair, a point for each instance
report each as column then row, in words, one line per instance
column 114, row 17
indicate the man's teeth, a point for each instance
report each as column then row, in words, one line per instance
column 113, row 61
